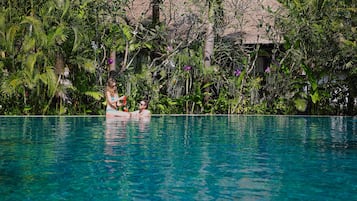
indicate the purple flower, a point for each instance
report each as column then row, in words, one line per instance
column 110, row 61
column 237, row 72
column 187, row 68
column 267, row 70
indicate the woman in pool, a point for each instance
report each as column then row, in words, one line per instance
column 113, row 100
column 143, row 111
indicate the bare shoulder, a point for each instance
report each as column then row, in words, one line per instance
column 107, row 93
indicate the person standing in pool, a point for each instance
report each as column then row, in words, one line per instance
column 143, row 110
column 113, row 100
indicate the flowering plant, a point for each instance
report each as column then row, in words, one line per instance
column 187, row 68
column 267, row 70
column 110, row 61
column 237, row 72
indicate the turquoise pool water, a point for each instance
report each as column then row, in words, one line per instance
column 178, row 158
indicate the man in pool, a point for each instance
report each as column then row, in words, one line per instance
column 143, row 111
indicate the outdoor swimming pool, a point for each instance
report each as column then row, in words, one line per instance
column 178, row 158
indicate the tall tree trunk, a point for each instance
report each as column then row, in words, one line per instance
column 156, row 11
column 126, row 54
column 209, row 43
column 59, row 66
column 112, row 63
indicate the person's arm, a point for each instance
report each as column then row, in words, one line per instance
column 119, row 104
column 121, row 101
column 122, row 97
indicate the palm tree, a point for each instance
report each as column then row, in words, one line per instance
column 38, row 49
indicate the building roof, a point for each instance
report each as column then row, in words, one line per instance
column 254, row 22
column 245, row 21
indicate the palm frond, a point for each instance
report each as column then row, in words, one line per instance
column 30, row 64
column 11, row 85
column 76, row 41
column 59, row 36
column 50, row 79
column 10, row 37
column 2, row 22
column 28, row 44
column 38, row 29
column 94, row 94
column 86, row 64
column 65, row 7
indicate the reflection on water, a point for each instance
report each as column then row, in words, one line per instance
column 178, row 158
column 117, row 128
column 115, row 131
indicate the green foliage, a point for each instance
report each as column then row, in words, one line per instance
column 94, row 94
column 320, row 41
column 53, row 61
column 33, row 70
column 300, row 104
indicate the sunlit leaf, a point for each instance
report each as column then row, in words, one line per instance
column 29, row 43
column 30, row 64
column 315, row 97
column 76, row 41
column 300, row 104
column 94, row 94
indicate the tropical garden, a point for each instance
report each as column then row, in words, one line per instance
column 56, row 55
